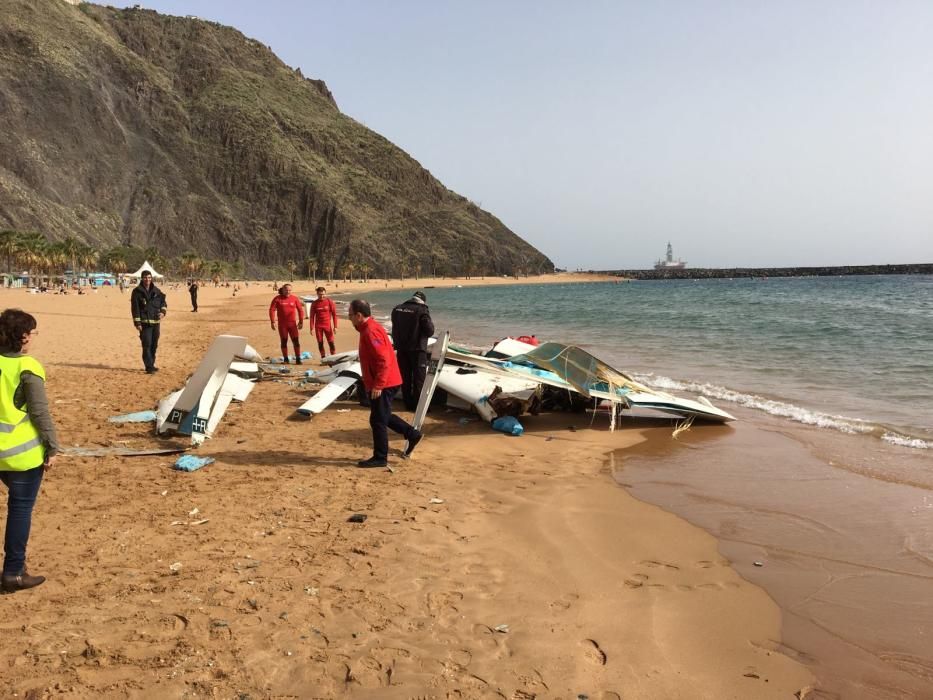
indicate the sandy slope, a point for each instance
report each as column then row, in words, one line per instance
column 278, row 596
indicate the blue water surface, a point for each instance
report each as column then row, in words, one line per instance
column 857, row 347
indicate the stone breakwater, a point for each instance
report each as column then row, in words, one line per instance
column 731, row 272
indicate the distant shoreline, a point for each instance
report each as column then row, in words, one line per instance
column 718, row 273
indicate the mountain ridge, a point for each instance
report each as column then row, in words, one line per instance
column 128, row 127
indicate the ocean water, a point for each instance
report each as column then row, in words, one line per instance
column 846, row 354
column 821, row 491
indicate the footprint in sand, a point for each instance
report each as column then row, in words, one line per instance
column 709, row 586
column 707, row 564
column 656, row 564
column 461, row 657
column 564, row 602
column 443, row 602
column 592, row 652
column 636, row 580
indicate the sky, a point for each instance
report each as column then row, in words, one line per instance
column 745, row 133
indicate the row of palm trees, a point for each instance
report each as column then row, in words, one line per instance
column 31, row 251
column 44, row 260
column 348, row 271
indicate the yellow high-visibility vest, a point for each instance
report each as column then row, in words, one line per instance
column 21, row 446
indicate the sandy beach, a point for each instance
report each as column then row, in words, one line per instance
column 487, row 567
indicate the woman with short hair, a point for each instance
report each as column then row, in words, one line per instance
column 28, row 445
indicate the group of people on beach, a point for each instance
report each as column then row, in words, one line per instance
column 387, row 366
column 288, row 311
column 28, row 441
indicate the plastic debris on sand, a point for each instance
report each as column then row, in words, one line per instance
column 138, row 417
column 190, row 463
column 508, row 425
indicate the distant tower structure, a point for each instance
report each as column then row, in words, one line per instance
column 669, row 263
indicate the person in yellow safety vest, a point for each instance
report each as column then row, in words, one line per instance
column 28, row 445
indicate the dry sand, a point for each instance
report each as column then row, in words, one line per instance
column 277, row 595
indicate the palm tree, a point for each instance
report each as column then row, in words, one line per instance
column 56, row 256
column 155, row 258
column 217, row 269
column 10, row 242
column 350, row 268
column 87, row 259
column 311, row 266
column 291, row 266
column 191, row 263
column 69, row 247
column 468, row 263
column 32, row 251
column 115, row 261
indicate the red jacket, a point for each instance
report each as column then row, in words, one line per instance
column 377, row 357
column 324, row 313
column 285, row 309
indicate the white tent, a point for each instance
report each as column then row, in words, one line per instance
column 144, row 268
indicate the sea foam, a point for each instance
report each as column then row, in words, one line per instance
column 907, row 441
column 844, row 424
column 783, row 409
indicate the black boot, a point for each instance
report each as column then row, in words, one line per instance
column 372, row 462
column 20, row 582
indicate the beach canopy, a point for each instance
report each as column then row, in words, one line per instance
column 144, row 268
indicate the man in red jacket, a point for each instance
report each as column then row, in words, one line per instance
column 323, row 318
column 382, row 379
column 288, row 310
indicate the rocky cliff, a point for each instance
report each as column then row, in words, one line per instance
column 127, row 127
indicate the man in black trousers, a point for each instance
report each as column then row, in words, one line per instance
column 193, row 291
column 148, row 305
column 411, row 328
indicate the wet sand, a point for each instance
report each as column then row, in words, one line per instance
column 841, row 525
column 535, row 576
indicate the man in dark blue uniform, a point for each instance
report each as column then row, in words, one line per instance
column 148, row 305
column 411, row 328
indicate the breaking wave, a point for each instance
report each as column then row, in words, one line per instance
column 782, row 409
column 907, row 441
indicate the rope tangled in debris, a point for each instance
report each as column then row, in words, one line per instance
column 682, row 427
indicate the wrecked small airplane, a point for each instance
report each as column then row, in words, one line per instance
column 516, row 377
column 226, row 373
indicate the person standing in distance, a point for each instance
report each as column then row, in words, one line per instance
column 290, row 313
column 28, row 445
column 381, row 378
column 411, row 328
column 193, row 291
column 324, row 318
column 148, row 305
